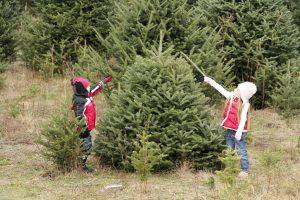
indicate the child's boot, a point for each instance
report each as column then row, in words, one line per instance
column 85, row 167
column 243, row 175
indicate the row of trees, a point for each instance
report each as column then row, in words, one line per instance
column 139, row 42
column 233, row 41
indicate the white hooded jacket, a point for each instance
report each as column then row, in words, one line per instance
column 245, row 90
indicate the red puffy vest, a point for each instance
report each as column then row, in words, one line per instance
column 231, row 115
column 89, row 113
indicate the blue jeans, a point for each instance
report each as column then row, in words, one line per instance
column 240, row 146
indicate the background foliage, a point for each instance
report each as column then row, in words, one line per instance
column 57, row 29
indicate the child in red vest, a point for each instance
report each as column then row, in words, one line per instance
column 236, row 123
column 84, row 107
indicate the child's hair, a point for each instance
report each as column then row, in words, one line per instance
column 247, row 90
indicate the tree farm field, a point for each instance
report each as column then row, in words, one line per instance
column 27, row 101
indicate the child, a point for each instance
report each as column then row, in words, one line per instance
column 235, row 123
column 84, row 108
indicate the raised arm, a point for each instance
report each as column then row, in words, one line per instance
column 243, row 119
column 95, row 89
column 218, row 87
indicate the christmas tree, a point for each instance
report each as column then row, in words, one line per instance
column 60, row 140
column 145, row 157
column 294, row 6
column 286, row 96
column 159, row 95
column 255, row 34
column 136, row 25
column 60, row 28
column 9, row 12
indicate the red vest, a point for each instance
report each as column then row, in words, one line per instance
column 231, row 118
column 90, row 113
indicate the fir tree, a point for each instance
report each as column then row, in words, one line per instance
column 9, row 12
column 286, row 96
column 294, row 6
column 137, row 24
column 231, row 162
column 266, row 79
column 255, row 34
column 60, row 27
column 146, row 156
column 159, row 95
column 61, row 142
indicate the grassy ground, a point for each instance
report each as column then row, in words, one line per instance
column 26, row 101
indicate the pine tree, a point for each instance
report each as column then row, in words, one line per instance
column 145, row 156
column 294, row 6
column 61, row 27
column 286, row 96
column 254, row 33
column 266, row 79
column 136, row 26
column 94, row 66
column 60, row 140
column 159, row 95
column 231, row 162
column 9, row 12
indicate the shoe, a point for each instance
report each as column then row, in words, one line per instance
column 87, row 169
column 243, row 174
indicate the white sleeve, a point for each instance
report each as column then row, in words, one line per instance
column 243, row 117
column 220, row 89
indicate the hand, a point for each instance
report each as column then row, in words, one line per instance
column 207, row 79
column 108, row 79
column 238, row 135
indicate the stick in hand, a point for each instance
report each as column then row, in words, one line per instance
column 197, row 68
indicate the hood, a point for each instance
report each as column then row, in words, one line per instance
column 81, row 86
column 247, row 90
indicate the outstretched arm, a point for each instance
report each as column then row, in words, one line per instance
column 218, row 87
column 243, row 119
column 95, row 89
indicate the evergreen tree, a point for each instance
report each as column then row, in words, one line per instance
column 159, row 95
column 9, row 12
column 25, row 4
column 286, row 97
column 146, row 156
column 60, row 27
column 294, row 6
column 255, row 34
column 94, row 66
column 61, row 142
column 232, row 167
column 137, row 24
column 266, row 79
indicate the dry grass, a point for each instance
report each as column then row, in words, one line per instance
column 24, row 174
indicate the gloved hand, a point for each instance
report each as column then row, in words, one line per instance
column 108, row 79
column 207, row 79
column 238, row 135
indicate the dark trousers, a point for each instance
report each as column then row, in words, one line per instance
column 86, row 145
